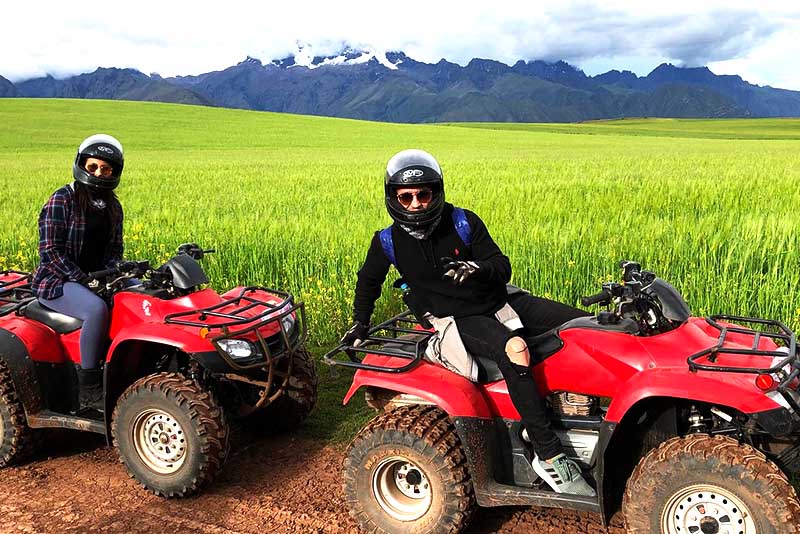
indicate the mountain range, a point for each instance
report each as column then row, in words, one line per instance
column 396, row 88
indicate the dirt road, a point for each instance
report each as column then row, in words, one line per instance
column 269, row 485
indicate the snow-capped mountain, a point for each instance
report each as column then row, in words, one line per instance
column 390, row 86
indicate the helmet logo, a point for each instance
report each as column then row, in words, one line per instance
column 107, row 150
column 412, row 173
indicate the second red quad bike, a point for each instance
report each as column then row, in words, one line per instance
column 690, row 424
column 181, row 361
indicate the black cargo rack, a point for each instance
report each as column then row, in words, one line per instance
column 15, row 293
column 237, row 324
column 408, row 348
column 781, row 334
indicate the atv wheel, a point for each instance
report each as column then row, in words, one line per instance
column 297, row 401
column 170, row 434
column 406, row 472
column 15, row 442
column 708, row 484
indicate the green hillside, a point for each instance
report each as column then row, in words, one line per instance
column 292, row 201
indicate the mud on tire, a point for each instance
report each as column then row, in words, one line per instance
column 170, row 434
column 700, row 481
column 407, row 472
column 294, row 406
column 15, row 436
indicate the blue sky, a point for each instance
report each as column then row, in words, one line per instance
column 757, row 40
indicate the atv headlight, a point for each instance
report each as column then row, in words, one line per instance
column 237, row 348
column 288, row 323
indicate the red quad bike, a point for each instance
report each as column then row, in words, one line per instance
column 181, row 360
column 690, row 423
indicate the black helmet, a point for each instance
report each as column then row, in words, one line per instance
column 412, row 168
column 102, row 147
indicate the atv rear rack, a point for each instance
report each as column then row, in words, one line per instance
column 235, row 324
column 401, row 345
column 15, row 291
column 782, row 334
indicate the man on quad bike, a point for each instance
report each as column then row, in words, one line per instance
column 462, row 274
column 80, row 231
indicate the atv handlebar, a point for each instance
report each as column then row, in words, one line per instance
column 105, row 273
column 194, row 250
column 123, row 267
column 604, row 297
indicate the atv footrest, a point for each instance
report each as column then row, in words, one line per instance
column 496, row 494
column 48, row 419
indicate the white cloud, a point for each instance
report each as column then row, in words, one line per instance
column 174, row 38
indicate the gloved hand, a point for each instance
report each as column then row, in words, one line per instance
column 84, row 280
column 356, row 335
column 459, row 270
column 125, row 266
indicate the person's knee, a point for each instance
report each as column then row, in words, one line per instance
column 517, row 351
column 96, row 310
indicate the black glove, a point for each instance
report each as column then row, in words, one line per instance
column 356, row 335
column 84, row 280
column 126, row 266
column 459, row 270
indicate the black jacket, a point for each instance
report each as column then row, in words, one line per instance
column 418, row 261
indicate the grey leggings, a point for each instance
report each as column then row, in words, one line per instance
column 79, row 302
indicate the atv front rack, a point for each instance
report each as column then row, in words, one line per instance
column 396, row 341
column 781, row 334
column 233, row 323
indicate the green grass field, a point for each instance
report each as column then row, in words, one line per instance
column 292, row 202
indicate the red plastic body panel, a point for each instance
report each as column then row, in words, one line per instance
column 454, row 393
column 141, row 317
column 41, row 341
column 136, row 316
column 623, row 367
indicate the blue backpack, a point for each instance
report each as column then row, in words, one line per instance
column 459, row 220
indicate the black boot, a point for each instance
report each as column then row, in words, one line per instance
column 90, row 392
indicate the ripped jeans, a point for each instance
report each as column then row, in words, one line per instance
column 484, row 335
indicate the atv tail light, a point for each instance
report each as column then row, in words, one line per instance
column 765, row 382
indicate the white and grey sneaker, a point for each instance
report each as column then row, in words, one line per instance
column 563, row 475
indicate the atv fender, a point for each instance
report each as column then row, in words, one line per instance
column 454, row 394
column 180, row 338
column 23, row 372
column 736, row 391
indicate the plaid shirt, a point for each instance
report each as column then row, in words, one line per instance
column 62, row 227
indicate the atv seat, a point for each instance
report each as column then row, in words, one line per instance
column 488, row 371
column 63, row 324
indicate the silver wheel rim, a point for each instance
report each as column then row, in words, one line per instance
column 159, row 441
column 401, row 488
column 706, row 509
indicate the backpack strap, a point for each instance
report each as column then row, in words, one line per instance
column 462, row 226
column 463, row 229
column 388, row 245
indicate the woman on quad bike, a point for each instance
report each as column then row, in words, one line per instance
column 80, row 231
column 464, row 277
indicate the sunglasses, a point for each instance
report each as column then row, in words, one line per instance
column 407, row 198
column 105, row 170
